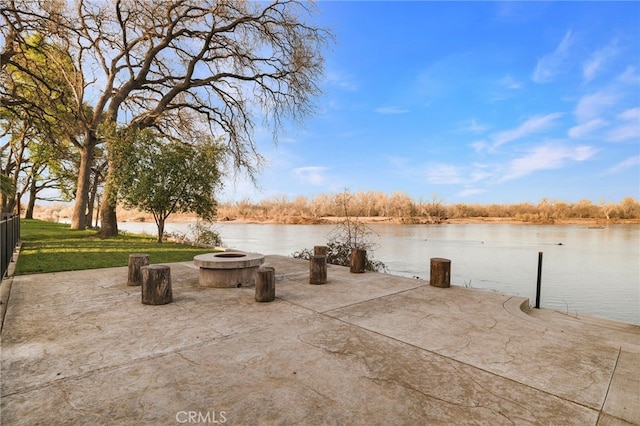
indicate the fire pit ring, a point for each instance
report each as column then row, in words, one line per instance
column 228, row 269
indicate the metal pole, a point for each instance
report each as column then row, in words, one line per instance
column 539, row 280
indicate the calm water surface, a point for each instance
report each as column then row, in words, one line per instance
column 585, row 271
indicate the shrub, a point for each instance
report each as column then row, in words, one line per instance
column 202, row 233
column 348, row 235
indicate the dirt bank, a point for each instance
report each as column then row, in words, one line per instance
column 57, row 212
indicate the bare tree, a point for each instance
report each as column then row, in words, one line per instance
column 181, row 67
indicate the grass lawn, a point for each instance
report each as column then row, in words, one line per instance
column 54, row 247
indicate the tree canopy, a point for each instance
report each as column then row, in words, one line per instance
column 184, row 68
column 35, row 122
column 164, row 177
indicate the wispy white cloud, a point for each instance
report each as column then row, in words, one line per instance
column 596, row 117
column 472, row 126
column 470, row 191
column 624, row 132
column 480, row 146
column 504, row 89
column 508, row 82
column 391, row 110
column 623, row 165
column 342, row 80
column 591, row 109
column 479, row 173
column 446, row 174
column 314, row 175
column 551, row 64
column 593, row 105
column 586, row 129
column 629, row 76
column 476, row 127
column 627, row 127
column 533, row 125
column 546, row 157
column 516, row 12
column 399, row 162
column 630, row 114
column 598, row 60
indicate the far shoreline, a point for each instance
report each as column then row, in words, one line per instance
column 128, row 216
column 294, row 220
column 379, row 220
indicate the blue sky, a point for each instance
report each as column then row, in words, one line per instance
column 474, row 102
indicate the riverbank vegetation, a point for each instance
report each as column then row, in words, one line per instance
column 53, row 247
column 349, row 234
column 378, row 207
column 401, row 208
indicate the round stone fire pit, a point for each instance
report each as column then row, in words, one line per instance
column 228, row 269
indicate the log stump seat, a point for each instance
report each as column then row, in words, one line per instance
column 156, row 285
column 265, row 284
column 318, row 270
column 440, row 272
column 136, row 261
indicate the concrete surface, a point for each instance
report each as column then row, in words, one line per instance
column 363, row 349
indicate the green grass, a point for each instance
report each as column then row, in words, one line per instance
column 54, row 247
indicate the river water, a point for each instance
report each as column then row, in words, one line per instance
column 584, row 271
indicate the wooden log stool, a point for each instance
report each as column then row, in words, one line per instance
column 265, row 284
column 319, row 250
column 156, row 285
column 358, row 261
column 136, row 261
column 318, row 270
column 440, row 272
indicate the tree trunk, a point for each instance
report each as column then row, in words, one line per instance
column 30, row 208
column 93, row 195
column 108, row 218
column 89, row 218
column 15, row 201
column 79, row 219
column 32, row 199
column 92, row 200
column 160, row 224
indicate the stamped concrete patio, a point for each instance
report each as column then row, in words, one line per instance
column 363, row 349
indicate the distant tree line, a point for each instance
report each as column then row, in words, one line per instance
column 401, row 208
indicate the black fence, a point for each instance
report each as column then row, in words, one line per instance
column 9, row 237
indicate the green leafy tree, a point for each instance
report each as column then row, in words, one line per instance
column 36, row 124
column 7, row 188
column 163, row 177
